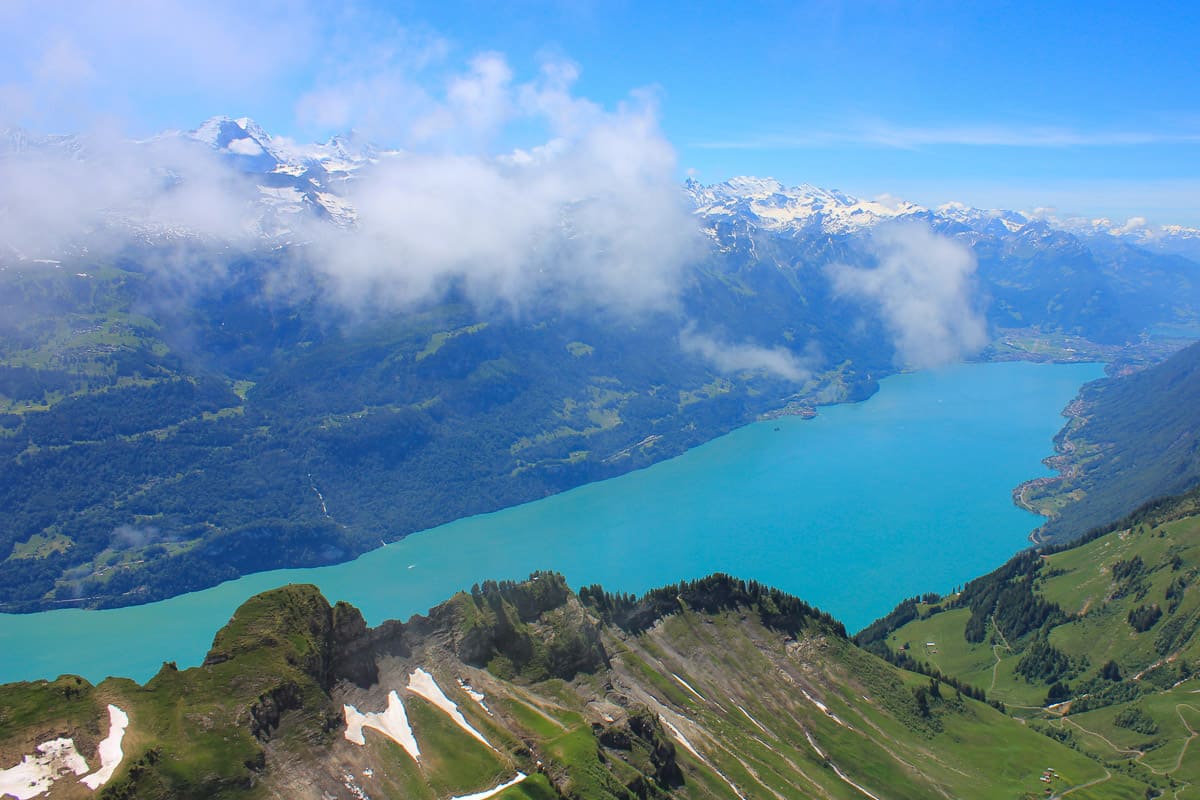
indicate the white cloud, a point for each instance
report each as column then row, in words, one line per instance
column 517, row 190
column 592, row 216
column 923, row 286
column 55, row 200
column 746, row 357
column 890, row 135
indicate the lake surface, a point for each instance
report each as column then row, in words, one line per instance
column 868, row 503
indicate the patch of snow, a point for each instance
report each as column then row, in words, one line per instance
column 478, row 697
column 688, row 686
column 36, row 773
column 824, row 708
column 688, row 746
column 110, row 749
column 683, row 740
column 421, row 683
column 339, row 208
column 283, row 194
column 210, row 131
column 494, row 791
column 752, row 719
column 352, row 787
column 392, row 723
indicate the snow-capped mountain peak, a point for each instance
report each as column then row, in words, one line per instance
column 768, row 204
column 294, row 183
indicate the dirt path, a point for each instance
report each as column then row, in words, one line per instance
column 1107, row 776
column 1106, row 740
column 1003, row 638
column 1183, row 750
column 996, row 666
column 995, row 669
column 1140, row 754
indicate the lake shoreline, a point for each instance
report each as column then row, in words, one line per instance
column 780, row 502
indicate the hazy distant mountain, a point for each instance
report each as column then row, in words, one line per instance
column 295, row 178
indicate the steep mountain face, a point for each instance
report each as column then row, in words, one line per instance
column 177, row 410
column 712, row 689
column 1130, row 440
column 292, row 179
column 1096, row 645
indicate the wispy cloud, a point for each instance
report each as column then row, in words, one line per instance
column 737, row 357
column 983, row 135
column 66, row 64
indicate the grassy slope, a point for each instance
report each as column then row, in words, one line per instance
column 965, row 748
column 1154, row 665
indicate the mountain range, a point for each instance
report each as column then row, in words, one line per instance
column 711, row 689
column 176, row 407
column 294, row 178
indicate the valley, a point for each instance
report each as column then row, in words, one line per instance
column 778, row 501
column 190, row 428
column 599, row 401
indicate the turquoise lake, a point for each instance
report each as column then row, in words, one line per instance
column 868, row 503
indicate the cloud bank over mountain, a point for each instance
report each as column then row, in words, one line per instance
column 923, row 287
column 100, row 191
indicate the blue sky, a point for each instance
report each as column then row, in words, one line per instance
column 1006, row 104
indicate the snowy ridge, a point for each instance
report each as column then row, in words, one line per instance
column 767, row 204
column 294, row 184
column 343, row 153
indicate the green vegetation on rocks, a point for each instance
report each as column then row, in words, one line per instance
column 715, row 688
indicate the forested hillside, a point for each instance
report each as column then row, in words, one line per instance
column 1131, row 440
